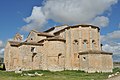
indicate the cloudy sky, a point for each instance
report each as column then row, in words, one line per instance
column 24, row 15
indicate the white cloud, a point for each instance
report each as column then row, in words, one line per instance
column 110, row 48
column 36, row 20
column 112, row 42
column 119, row 25
column 76, row 11
column 101, row 21
column 69, row 12
column 111, row 36
column 1, row 43
column 2, row 50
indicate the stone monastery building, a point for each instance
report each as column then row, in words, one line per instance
column 59, row 48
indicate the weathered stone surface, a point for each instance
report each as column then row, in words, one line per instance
column 66, row 48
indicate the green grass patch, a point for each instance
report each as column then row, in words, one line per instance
column 116, row 70
column 62, row 75
column 1, row 66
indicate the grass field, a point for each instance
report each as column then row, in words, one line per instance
column 63, row 75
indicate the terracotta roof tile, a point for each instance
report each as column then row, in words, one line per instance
column 42, row 33
column 56, row 38
column 14, row 43
column 82, row 25
column 94, row 52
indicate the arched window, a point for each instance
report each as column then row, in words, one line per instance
column 59, row 55
column 75, row 42
column 93, row 44
column 33, row 56
column 31, row 38
column 84, row 58
column 85, row 42
column 75, row 46
column 32, row 49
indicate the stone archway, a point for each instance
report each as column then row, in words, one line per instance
column 61, row 60
column 37, row 61
column 76, row 61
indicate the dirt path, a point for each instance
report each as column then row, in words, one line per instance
column 114, row 78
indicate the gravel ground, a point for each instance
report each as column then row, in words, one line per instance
column 114, row 78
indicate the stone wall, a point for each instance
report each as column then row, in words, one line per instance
column 96, row 61
column 11, row 55
column 33, row 37
column 31, row 57
column 68, row 48
column 55, row 52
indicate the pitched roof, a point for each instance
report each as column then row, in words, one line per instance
column 94, row 52
column 42, row 33
column 82, row 25
column 56, row 38
column 14, row 43
column 56, row 28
